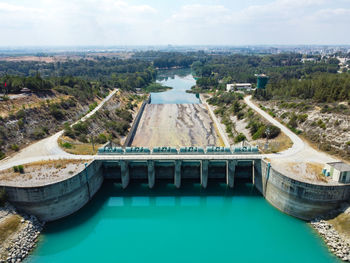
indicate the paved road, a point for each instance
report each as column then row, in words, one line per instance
column 48, row 148
column 298, row 144
column 300, row 151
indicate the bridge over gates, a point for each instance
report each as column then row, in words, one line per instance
column 168, row 163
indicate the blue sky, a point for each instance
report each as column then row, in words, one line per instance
column 190, row 22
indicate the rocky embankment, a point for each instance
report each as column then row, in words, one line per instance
column 18, row 244
column 334, row 232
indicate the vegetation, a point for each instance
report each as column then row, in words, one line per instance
column 156, row 87
column 325, row 87
column 3, row 197
column 18, row 169
column 8, row 226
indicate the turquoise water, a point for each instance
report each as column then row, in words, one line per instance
column 179, row 225
column 180, row 80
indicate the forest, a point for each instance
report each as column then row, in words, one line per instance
column 72, row 76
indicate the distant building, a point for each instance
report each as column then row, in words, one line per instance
column 238, row 86
column 338, row 171
column 26, row 90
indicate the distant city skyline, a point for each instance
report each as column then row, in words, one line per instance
column 190, row 22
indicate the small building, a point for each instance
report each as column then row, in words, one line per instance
column 26, row 91
column 238, row 86
column 338, row 171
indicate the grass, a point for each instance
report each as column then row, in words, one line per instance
column 342, row 224
column 281, row 143
column 8, row 226
column 77, row 148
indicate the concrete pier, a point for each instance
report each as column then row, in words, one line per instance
column 124, row 170
column 230, row 172
column 151, row 173
column 177, row 173
column 204, row 173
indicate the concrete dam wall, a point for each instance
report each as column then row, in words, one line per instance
column 54, row 201
column 299, row 199
column 296, row 198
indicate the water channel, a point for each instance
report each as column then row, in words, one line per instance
column 179, row 225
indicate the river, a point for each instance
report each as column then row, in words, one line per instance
column 189, row 224
column 180, row 80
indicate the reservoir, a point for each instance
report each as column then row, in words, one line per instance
column 189, row 224
column 180, row 80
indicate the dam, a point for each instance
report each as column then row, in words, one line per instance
column 138, row 205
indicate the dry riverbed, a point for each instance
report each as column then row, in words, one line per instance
column 176, row 125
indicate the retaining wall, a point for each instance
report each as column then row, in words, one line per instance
column 300, row 199
column 57, row 200
column 135, row 124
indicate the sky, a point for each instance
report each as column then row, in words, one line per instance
column 176, row 22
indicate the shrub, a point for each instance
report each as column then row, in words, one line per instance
column 285, row 115
column 92, row 106
column 68, row 131
column 15, row 169
column 21, row 169
column 56, row 113
column 274, row 131
column 101, row 138
column 240, row 115
column 83, row 138
column 38, row 133
column 15, row 147
column 20, row 123
column 240, row 137
column 67, row 145
column 80, row 128
column 3, row 196
column 293, row 121
column 302, row 117
column 124, row 114
column 2, row 155
column 259, row 133
column 20, row 114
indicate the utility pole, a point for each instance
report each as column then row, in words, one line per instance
column 267, row 133
column 92, row 142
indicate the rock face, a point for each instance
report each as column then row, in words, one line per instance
column 176, row 125
column 335, row 242
column 24, row 240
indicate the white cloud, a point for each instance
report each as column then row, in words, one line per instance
column 113, row 22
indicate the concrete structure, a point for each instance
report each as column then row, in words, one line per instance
column 135, row 123
column 300, row 199
column 238, row 86
column 262, row 80
column 296, row 198
column 54, row 201
column 339, row 171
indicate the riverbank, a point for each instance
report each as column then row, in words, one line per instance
column 335, row 231
column 19, row 234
